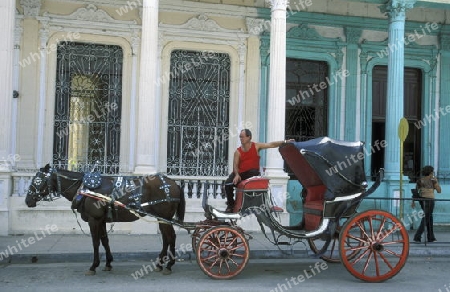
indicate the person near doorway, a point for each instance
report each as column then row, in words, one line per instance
column 426, row 185
column 246, row 163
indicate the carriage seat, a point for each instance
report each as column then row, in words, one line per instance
column 313, row 206
column 255, row 183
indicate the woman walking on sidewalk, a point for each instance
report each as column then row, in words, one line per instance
column 426, row 186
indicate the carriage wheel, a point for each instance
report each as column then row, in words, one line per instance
column 222, row 252
column 374, row 245
column 332, row 254
column 196, row 235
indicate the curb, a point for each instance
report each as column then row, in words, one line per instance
column 48, row 258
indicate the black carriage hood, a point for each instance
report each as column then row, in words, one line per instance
column 339, row 165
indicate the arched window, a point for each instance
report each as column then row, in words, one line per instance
column 88, row 107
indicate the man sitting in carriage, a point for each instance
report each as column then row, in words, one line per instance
column 245, row 163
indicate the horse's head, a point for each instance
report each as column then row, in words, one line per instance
column 40, row 187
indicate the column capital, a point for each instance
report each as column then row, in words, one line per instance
column 31, row 8
column 277, row 4
column 396, row 9
column 444, row 40
column 353, row 34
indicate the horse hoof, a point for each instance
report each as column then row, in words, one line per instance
column 167, row 271
column 158, row 269
column 89, row 273
column 107, row 269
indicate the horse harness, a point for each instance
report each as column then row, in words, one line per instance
column 122, row 185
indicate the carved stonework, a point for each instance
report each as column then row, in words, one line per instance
column 91, row 13
column 352, row 34
column 31, row 8
column 203, row 23
column 444, row 40
column 364, row 58
column 43, row 34
column 135, row 41
column 256, row 26
column 18, row 31
column 277, row 4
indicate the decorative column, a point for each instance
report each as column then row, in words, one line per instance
column 147, row 111
column 352, row 102
column 135, row 43
column 444, row 101
column 277, row 101
column 366, row 116
column 277, row 85
column 395, row 10
column 252, row 74
column 43, row 36
column 7, row 23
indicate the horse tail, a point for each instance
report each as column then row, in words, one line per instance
column 181, row 210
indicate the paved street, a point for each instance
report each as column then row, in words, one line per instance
column 419, row 274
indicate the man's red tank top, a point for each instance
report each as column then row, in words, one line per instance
column 249, row 160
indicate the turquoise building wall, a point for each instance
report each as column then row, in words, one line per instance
column 353, row 96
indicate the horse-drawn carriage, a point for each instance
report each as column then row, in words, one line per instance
column 373, row 245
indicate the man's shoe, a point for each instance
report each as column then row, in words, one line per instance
column 229, row 209
column 417, row 240
column 432, row 240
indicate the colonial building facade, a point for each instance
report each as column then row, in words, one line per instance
column 145, row 86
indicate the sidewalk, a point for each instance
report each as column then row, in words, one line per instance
column 78, row 248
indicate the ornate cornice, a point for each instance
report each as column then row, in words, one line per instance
column 202, row 28
column 89, row 19
column 31, row 8
column 89, row 13
column 202, row 23
column 304, row 32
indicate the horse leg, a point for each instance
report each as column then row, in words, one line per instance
column 168, row 234
column 94, row 226
column 105, row 242
column 163, row 254
column 171, row 239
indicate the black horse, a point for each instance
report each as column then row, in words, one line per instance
column 125, row 200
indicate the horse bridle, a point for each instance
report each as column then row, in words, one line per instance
column 43, row 180
column 40, row 182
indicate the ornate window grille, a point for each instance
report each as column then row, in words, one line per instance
column 306, row 101
column 88, row 107
column 199, row 96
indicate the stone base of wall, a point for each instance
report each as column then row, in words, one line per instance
column 58, row 215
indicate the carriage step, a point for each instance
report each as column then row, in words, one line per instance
column 276, row 209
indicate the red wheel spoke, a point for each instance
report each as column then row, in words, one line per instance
column 392, row 253
column 377, row 267
column 362, row 229
column 361, row 256
column 366, row 265
column 386, row 261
